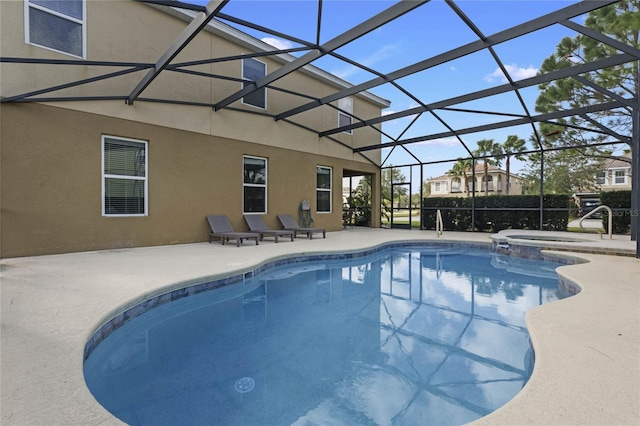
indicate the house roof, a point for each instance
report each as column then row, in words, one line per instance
column 618, row 163
column 235, row 35
column 479, row 170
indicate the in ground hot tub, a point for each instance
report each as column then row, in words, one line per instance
column 557, row 239
column 531, row 243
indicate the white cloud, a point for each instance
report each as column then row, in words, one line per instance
column 278, row 43
column 381, row 54
column 516, row 73
column 409, row 106
column 345, row 72
column 407, row 118
column 440, row 142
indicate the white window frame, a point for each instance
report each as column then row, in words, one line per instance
column 83, row 22
column 615, row 177
column 601, row 175
column 345, row 104
column 329, row 190
column 257, row 185
column 114, row 176
column 242, row 84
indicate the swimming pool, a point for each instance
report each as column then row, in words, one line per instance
column 428, row 335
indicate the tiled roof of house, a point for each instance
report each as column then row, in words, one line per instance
column 618, row 163
column 479, row 170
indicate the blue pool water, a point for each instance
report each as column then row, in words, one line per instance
column 419, row 335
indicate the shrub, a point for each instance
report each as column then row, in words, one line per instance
column 620, row 203
column 456, row 212
column 556, row 220
column 450, row 217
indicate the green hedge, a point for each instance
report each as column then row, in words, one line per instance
column 620, row 203
column 453, row 220
column 456, row 212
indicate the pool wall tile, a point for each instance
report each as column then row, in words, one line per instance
column 178, row 294
column 567, row 286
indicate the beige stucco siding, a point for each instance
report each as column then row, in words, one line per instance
column 51, row 182
column 51, row 151
column 135, row 32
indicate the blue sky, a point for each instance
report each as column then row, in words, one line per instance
column 430, row 29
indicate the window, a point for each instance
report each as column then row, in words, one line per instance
column 254, row 185
column 437, row 186
column 254, row 70
column 344, row 118
column 57, row 25
column 620, row 177
column 456, row 185
column 601, row 178
column 323, row 189
column 488, row 184
column 124, row 177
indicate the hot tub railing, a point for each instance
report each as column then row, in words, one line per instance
column 592, row 212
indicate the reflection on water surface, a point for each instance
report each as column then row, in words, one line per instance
column 414, row 336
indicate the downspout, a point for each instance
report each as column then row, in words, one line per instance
column 541, row 188
column 635, row 175
column 421, row 194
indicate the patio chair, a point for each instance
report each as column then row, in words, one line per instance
column 256, row 224
column 289, row 223
column 220, row 227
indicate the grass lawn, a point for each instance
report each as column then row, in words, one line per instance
column 402, row 218
column 582, row 230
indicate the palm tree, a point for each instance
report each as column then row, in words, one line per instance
column 512, row 147
column 460, row 168
column 486, row 148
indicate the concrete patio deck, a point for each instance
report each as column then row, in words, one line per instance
column 587, row 347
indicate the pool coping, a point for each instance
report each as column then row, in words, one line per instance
column 50, row 310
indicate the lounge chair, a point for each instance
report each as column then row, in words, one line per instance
column 220, row 227
column 289, row 223
column 256, row 224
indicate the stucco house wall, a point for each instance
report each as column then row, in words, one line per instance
column 51, row 153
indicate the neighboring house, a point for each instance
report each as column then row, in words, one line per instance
column 81, row 169
column 454, row 186
column 616, row 175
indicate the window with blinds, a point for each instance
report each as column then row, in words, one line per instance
column 56, row 24
column 254, row 185
column 124, row 177
column 619, row 177
column 323, row 189
column 254, row 70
